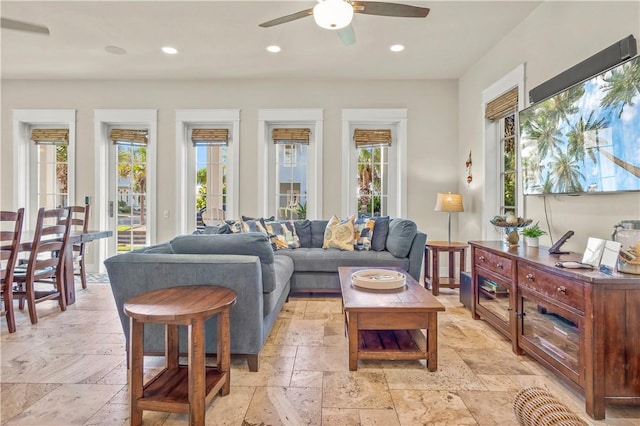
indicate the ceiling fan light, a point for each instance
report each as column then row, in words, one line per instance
column 333, row 14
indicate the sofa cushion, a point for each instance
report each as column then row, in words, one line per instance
column 380, row 233
column 339, row 234
column 281, row 234
column 315, row 260
column 283, row 269
column 214, row 229
column 317, row 232
column 363, row 233
column 401, row 235
column 303, row 229
column 249, row 244
column 246, row 218
column 238, row 227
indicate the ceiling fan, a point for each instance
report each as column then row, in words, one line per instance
column 12, row 24
column 337, row 15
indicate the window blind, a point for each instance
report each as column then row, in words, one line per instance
column 50, row 136
column 291, row 136
column 129, row 136
column 366, row 138
column 210, row 137
column 502, row 105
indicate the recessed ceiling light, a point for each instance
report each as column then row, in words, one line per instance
column 115, row 50
column 396, row 48
column 169, row 50
column 273, row 48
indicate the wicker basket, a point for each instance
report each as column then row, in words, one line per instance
column 537, row 407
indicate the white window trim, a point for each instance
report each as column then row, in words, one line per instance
column 389, row 118
column 269, row 117
column 186, row 170
column 23, row 170
column 515, row 78
column 103, row 118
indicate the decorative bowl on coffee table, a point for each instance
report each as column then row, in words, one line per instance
column 378, row 279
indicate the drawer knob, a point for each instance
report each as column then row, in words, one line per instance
column 499, row 265
column 562, row 289
column 530, row 277
column 481, row 259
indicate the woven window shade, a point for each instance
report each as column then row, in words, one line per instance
column 291, row 136
column 50, row 136
column 210, row 137
column 378, row 137
column 502, row 105
column 129, row 136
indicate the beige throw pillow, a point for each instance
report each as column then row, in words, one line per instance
column 339, row 234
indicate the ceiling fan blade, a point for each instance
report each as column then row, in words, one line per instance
column 389, row 9
column 347, row 35
column 11, row 24
column 287, row 18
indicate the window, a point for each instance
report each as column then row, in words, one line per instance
column 52, row 166
column 291, row 171
column 207, row 152
column 290, row 144
column 502, row 189
column 374, row 162
column 43, row 159
column 211, row 174
column 125, row 179
column 131, row 165
column 507, row 160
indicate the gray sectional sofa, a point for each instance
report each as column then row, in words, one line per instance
column 262, row 278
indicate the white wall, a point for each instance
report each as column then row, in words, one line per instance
column 553, row 38
column 432, row 130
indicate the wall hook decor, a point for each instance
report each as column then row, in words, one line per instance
column 468, row 164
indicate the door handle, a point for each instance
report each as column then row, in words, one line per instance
column 110, row 208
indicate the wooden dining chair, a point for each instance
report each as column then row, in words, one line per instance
column 45, row 265
column 10, row 233
column 79, row 223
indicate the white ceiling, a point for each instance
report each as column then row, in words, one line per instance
column 221, row 39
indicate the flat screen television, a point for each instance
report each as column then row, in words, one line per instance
column 585, row 139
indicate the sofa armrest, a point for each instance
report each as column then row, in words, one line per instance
column 416, row 255
column 135, row 273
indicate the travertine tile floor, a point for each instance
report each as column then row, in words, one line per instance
column 70, row 369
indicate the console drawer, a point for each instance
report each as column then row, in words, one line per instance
column 564, row 291
column 493, row 262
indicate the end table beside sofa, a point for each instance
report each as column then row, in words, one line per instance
column 262, row 278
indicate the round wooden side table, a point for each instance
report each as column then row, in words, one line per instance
column 179, row 388
column 431, row 275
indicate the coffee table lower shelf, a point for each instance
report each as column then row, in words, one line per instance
column 391, row 344
column 169, row 390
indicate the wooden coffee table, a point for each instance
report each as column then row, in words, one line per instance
column 387, row 324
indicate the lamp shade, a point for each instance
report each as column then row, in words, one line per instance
column 449, row 203
column 333, row 14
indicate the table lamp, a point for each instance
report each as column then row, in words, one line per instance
column 449, row 203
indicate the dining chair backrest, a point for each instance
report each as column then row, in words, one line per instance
column 79, row 218
column 49, row 242
column 10, row 233
column 79, row 224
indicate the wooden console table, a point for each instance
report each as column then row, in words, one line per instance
column 581, row 324
column 179, row 388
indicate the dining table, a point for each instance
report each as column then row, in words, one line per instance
column 75, row 237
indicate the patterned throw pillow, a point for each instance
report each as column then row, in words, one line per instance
column 238, row 227
column 282, row 234
column 339, row 234
column 363, row 233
